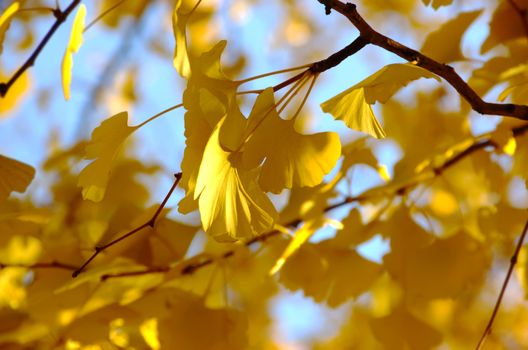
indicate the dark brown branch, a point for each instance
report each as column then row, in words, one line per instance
column 513, row 261
column 41, row 265
column 187, row 269
column 338, row 57
column 60, row 17
column 149, row 223
column 443, row 70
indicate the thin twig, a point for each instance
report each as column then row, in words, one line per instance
column 100, row 16
column 149, row 223
column 369, row 35
column 60, row 17
column 41, row 265
column 513, row 261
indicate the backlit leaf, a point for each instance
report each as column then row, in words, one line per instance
column 5, row 21
column 232, row 206
column 301, row 236
column 14, row 176
column 184, row 322
column 179, row 24
column 14, row 95
column 437, row 47
column 290, row 158
column 74, row 44
column 353, row 105
column 103, row 146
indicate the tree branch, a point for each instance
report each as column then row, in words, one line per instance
column 149, row 223
column 60, row 17
column 443, row 70
column 513, row 261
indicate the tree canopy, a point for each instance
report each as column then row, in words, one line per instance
column 202, row 174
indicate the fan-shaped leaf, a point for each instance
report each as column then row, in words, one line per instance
column 14, row 176
column 103, row 147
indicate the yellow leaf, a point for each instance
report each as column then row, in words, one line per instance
column 290, row 159
column 179, row 24
column 502, row 136
column 402, row 331
column 460, row 257
column 329, row 273
column 207, row 97
column 443, row 203
column 302, row 235
column 505, row 25
column 14, row 176
column 383, row 172
column 5, row 21
column 353, row 105
column 437, row 47
column 184, row 322
column 74, row 44
column 350, row 106
column 232, row 206
column 15, row 93
column 103, row 146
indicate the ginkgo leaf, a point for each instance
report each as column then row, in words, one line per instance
column 5, row 21
column 232, row 206
column 328, row 273
column 403, row 331
column 14, row 176
column 206, row 99
column 353, row 105
column 185, row 322
column 302, row 235
column 179, row 24
column 74, row 44
column 290, row 158
column 103, row 146
column 446, row 51
column 15, row 94
column 350, row 106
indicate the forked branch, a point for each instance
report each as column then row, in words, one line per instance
column 149, row 223
column 60, row 17
column 445, row 71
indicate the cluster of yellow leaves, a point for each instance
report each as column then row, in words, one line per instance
column 441, row 226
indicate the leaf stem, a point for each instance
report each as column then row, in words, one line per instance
column 306, row 96
column 101, row 15
column 159, row 115
column 273, row 73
